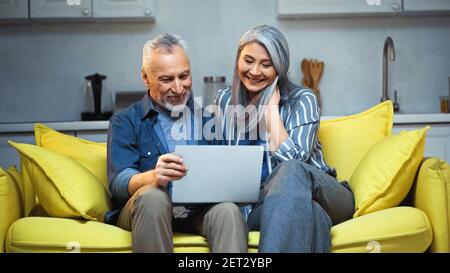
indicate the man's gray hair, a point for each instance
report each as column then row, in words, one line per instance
column 166, row 42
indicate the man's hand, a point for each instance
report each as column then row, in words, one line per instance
column 169, row 167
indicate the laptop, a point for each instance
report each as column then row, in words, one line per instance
column 219, row 174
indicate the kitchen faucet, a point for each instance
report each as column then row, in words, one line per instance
column 388, row 48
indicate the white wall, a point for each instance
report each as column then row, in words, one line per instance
column 42, row 67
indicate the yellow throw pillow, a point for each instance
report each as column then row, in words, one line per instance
column 11, row 207
column 29, row 196
column 346, row 140
column 15, row 175
column 385, row 175
column 91, row 155
column 64, row 187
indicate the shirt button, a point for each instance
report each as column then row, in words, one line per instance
column 149, row 153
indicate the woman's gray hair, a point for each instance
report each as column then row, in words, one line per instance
column 277, row 47
column 165, row 41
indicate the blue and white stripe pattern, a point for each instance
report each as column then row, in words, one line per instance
column 300, row 113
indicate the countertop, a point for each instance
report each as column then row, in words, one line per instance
column 103, row 125
column 59, row 126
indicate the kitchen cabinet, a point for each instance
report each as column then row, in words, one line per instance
column 24, row 133
column 13, row 10
column 337, row 8
column 437, row 143
column 97, row 136
column 8, row 155
column 61, row 9
column 92, row 10
column 129, row 10
column 426, row 6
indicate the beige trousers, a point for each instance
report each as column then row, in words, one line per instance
column 152, row 219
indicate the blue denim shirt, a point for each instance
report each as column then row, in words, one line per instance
column 135, row 142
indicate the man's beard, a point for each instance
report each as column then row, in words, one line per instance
column 177, row 107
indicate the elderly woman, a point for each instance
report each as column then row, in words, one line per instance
column 300, row 197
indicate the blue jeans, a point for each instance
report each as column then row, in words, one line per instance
column 298, row 206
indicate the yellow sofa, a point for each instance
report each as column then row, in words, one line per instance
column 419, row 223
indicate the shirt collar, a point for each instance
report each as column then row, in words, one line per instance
column 146, row 107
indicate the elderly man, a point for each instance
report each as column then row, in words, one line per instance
column 141, row 165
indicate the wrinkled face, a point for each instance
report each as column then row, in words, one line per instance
column 168, row 77
column 255, row 68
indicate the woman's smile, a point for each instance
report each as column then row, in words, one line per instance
column 255, row 68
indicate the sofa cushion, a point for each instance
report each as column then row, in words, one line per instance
column 89, row 154
column 399, row 229
column 432, row 195
column 11, row 207
column 70, row 235
column 45, row 234
column 386, row 173
column 347, row 139
column 64, row 187
column 409, row 231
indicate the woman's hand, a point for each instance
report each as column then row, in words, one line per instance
column 272, row 109
column 275, row 98
column 276, row 132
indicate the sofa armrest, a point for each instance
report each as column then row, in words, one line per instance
column 432, row 195
column 11, row 207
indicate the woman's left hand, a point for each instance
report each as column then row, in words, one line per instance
column 272, row 107
column 276, row 132
column 275, row 99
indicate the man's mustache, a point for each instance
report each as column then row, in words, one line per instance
column 175, row 94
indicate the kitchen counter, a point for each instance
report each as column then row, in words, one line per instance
column 103, row 125
column 434, row 118
column 59, row 126
column 421, row 118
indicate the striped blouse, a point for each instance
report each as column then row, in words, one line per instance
column 300, row 114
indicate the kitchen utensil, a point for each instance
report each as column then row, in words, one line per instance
column 306, row 81
column 95, row 82
column 316, row 71
column 444, row 104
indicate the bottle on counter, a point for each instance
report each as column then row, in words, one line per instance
column 210, row 86
column 444, row 104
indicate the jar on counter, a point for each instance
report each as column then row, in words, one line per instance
column 444, row 104
column 210, row 86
